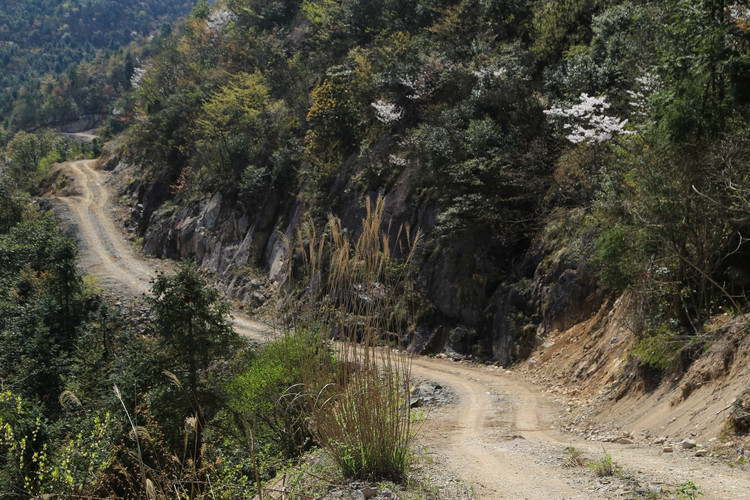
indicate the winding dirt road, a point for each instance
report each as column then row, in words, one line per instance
column 501, row 436
column 106, row 252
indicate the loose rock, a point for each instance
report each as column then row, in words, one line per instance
column 369, row 492
column 688, row 444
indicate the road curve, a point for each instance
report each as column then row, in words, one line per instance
column 109, row 256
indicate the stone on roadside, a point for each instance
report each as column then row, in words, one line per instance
column 667, row 449
column 688, row 444
column 369, row 492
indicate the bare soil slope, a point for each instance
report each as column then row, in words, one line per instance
column 589, row 366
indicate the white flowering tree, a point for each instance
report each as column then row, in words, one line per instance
column 588, row 121
column 646, row 85
column 219, row 19
column 387, row 112
column 138, row 74
column 486, row 79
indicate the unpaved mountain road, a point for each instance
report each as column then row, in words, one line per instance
column 501, row 436
column 106, row 253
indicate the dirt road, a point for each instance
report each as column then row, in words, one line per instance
column 501, row 436
column 106, row 252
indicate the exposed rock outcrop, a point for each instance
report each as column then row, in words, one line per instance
column 472, row 312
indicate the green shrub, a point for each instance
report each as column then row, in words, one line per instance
column 613, row 258
column 603, row 467
column 269, row 397
column 660, row 350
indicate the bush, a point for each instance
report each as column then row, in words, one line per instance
column 663, row 349
column 613, row 258
column 268, row 395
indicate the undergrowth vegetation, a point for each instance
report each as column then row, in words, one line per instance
column 93, row 405
column 362, row 418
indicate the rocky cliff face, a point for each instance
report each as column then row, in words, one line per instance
column 473, row 313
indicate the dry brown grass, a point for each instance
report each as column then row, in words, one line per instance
column 361, row 412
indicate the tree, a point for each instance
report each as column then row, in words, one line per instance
column 232, row 128
column 191, row 321
column 41, row 308
column 705, row 69
column 193, row 328
column 25, row 152
column 12, row 204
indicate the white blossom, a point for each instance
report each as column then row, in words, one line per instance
column 422, row 84
column 135, row 79
column 739, row 13
column 386, row 111
column 218, row 19
column 490, row 71
column 397, row 160
column 588, row 122
column 418, row 86
column 485, row 77
column 647, row 85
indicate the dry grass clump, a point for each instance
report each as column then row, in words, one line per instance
column 573, row 457
column 361, row 413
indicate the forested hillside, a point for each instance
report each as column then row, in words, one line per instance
column 526, row 161
column 553, row 152
column 61, row 60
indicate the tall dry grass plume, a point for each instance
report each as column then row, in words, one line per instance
column 361, row 413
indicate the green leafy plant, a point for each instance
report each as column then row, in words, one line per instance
column 268, row 394
column 604, row 467
column 688, row 491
